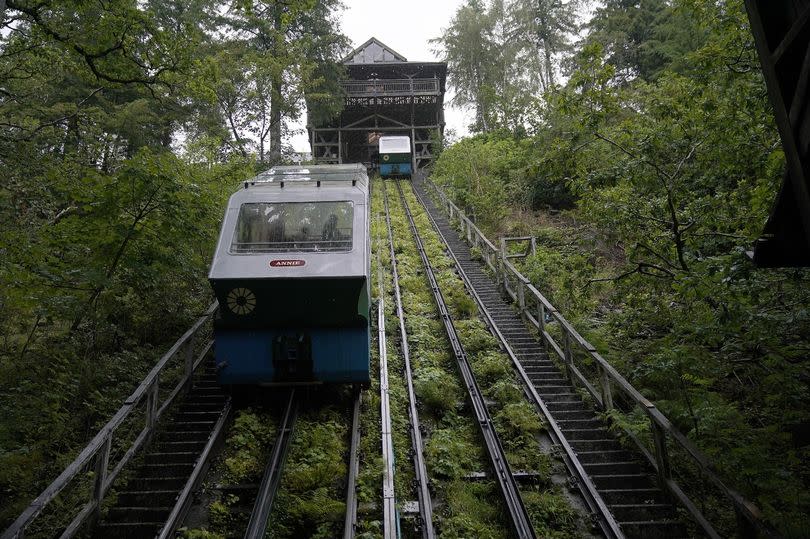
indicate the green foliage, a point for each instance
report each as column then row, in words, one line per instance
column 479, row 171
column 490, row 367
column 437, row 390
column 452, row 452
column 643, row 39
column 311, row 499
column 501, row 53
column 662, row 150
column 219, row 515
column 117, row 159
column 470, row 517
column 246, row 446
column 199, row 534
column 551, row 514
column 475, row 336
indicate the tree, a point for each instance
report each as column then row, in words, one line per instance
column 286, row 48
column 643, row 38
column 501, row 55
column 543, row 30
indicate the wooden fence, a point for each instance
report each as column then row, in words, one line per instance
column 390, row 87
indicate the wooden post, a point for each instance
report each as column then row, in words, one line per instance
column 152, row 403
column 607, row 392
column 541, row 318
column 521, row 293
column 190, row 361
column 502, row 270
column 569, row 355
column 413, row 141
column 541, row 323
column 661, row 453
column 102, row 463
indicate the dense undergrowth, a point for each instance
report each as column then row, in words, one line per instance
column 311, row 497
column 644, row 194
column 91, row 300
column 311, row 501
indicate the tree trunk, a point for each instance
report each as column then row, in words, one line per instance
column 276, row 92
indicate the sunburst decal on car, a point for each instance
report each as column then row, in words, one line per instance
column 241, row 301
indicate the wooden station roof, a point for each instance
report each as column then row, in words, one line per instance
column 376, row 60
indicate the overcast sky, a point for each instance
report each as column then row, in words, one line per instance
column 406, row 27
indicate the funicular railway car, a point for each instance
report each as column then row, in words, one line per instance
column 291, row 274
column 395, row 156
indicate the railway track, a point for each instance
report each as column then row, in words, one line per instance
column 259, row 519
column 390, row 512
column 620, row 489
column 617, row 487
column 507, row 483
column 350, row 524
column 257, row 525
column 423, row 491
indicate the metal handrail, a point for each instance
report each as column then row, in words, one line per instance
column 101, row 445
column 539, row 312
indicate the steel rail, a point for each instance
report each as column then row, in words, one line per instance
column 592, row 498
column 390, row 515
column 423, row 492
column 257, row 525
column 350, row 525
column 183, row 502
column 503, row 473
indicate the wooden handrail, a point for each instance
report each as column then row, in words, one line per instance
column 660, row 425
column 102, row 441
column 378, row 87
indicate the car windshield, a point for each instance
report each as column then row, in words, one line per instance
column 273, row 227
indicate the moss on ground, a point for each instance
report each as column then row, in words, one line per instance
column 517, row 422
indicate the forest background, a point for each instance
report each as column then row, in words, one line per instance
column 640, row 148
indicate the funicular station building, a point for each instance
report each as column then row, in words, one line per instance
column 385, row 94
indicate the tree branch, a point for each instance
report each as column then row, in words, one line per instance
column 90, row 58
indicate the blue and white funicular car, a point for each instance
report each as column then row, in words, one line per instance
column 291, row 273
column 395, row 156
